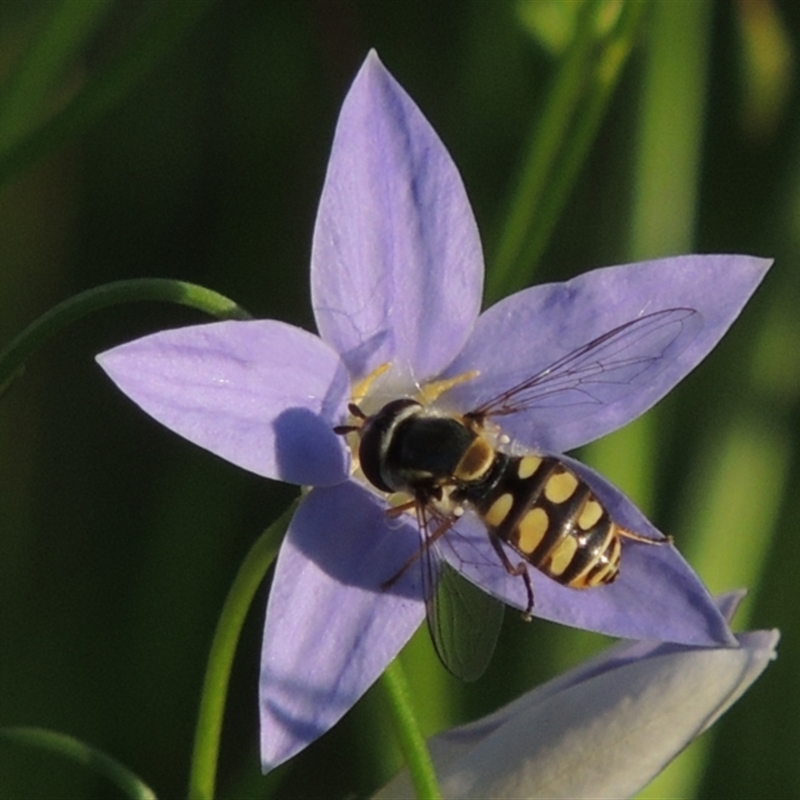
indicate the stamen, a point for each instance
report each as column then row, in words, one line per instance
column 359, row 393
column 431, row 391
column 361, row 389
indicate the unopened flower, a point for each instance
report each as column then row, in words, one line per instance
column 604, row 729
column 396, row 278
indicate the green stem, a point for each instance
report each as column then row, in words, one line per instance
column 13, row 357
column 202, row 778
column 412, row 742
column 75, row 750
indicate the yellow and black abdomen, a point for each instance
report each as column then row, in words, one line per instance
column 550, row 516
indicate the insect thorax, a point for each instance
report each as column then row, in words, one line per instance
column 427, row 452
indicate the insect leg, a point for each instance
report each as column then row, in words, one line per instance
column 430, row 538
column 402, row 571
column 396, row 511
column 521, row 570
column 637, row 537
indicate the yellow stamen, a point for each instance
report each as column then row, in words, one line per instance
column 361, row 389
column 431, row 391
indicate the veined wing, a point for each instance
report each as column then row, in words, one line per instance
column 603, row 370
column 464, row 621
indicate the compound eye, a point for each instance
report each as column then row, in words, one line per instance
column 375, row 438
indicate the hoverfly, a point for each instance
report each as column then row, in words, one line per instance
column 530, row 503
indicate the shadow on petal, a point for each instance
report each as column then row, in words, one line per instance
column 366, row 356
column 345, row 531
column 307, row 451
column 285, row 717
column 331, row 630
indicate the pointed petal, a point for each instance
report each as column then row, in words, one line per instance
column 601, row 732
column 263, row 395
column 397, row 269
column 657, row 595
column 331, row 630
column 536, row 327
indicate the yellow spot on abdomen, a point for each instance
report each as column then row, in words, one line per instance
column 527, row 466
column 531, row 530
column 590, row 515
column 560, row 487
column 606, row 575
column 499, row 509
column 563, row 554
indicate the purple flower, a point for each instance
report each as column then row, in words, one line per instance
column 604, row 729
column 396, row 276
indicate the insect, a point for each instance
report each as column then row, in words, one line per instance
column 530, row 503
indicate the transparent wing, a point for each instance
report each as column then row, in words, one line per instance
column 603, row 370
column 463, row 620
column 464, row 623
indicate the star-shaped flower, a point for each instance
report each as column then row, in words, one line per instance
column 396, row 277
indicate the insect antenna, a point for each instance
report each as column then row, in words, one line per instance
column 520, row 571
column 355, row 411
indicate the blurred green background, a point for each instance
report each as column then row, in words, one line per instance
column 189, row 140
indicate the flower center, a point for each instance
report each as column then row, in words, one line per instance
column 382, row 386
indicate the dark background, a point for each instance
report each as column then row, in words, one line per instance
column 118, row 540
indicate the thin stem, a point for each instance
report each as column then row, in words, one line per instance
column 203, row 775
column 13, row 357
column 75, row 750
column 412, row 742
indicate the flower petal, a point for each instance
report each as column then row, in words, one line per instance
column 396, row 268
column 458, row 740
column 263, row 395
column 535, row 328
column 331, row 630
column 656, row 596
column 603, row 730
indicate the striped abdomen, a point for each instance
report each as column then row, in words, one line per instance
column 550, row 517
